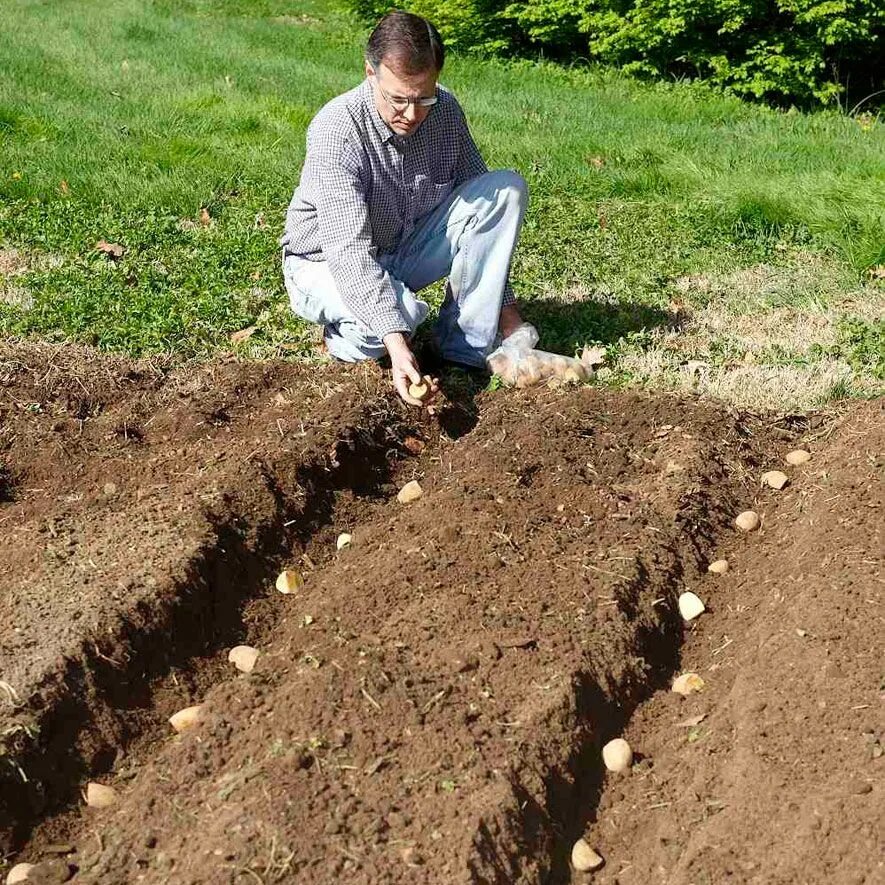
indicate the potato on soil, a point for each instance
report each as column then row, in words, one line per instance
column 344, row 540
column 243, row 657
column 584, row 858
column 19, row 873
column 774, row 479
column 798, row 457
column 411, row 491
column 719, row 567
column 100, row 796
column 617, row 755
column 690, row 605
column 687, row 683
column 748, row 521
column 289, row 581
column 186, row 718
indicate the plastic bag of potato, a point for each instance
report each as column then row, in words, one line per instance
column 517, row 362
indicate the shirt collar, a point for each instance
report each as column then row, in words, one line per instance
column 385, row 133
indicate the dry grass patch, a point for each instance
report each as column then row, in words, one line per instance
column 14, row 264
column 758, row 387
column 762, row 337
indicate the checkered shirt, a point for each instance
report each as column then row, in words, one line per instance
column 363, row 189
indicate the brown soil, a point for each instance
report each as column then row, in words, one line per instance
column 431, row 706
column 782, row 780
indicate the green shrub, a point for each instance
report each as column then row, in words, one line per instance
column 800, row 51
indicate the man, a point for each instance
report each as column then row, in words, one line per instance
column 394, row 196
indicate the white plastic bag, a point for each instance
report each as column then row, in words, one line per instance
column 517, row 362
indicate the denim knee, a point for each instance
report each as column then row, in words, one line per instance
column 511, row 185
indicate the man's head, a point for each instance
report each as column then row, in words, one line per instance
column 404, row 56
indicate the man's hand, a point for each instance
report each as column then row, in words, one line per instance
column 405, row 369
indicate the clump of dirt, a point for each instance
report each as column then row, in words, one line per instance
column 432, row 704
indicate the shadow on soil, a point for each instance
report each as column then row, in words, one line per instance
column 5, row 486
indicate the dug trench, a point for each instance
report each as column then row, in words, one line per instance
column 429, row 707
column 142, row 519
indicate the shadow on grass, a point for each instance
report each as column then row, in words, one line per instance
column 566, row 327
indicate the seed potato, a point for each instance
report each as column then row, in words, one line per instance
column 617, row 755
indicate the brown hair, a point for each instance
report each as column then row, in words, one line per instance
column 410, row 42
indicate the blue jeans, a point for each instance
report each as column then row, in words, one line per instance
column 469, row 238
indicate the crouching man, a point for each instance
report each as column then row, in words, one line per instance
column 393, row 196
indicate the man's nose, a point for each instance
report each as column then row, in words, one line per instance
column 411, row 112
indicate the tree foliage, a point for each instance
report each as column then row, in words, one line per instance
column 782, row 51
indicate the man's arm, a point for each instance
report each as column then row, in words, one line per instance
column 346, row 236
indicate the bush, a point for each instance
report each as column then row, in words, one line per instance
column 466, row 25
column 783, row 51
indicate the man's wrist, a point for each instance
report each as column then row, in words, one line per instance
column 396, row 342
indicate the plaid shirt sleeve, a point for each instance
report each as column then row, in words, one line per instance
column 346, row 234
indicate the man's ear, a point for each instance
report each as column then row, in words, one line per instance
column 369, row 69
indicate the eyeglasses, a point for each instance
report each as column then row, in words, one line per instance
column 400, row 105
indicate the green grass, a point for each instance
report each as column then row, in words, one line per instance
column 149, row 111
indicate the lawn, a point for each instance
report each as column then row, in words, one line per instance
column 713, row 245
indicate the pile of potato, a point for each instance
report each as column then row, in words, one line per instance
column 527, row 367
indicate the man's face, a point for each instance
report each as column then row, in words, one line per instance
column 392, row 87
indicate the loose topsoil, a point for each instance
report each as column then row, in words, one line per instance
column 430, row 707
